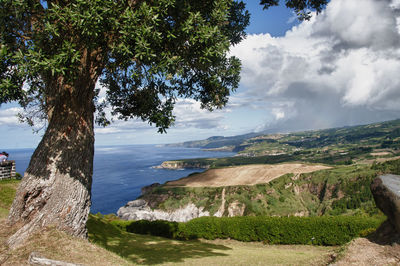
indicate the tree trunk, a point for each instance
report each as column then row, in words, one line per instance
column 56, row 188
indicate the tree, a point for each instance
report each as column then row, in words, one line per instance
column 147, row 53
column 301, row 7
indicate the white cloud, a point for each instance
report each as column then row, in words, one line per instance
column 188, row 115
column 341, row 67
column 278, row 113
column 8, row 117
column 122, row 126
column 395, row 4
column 363, row 23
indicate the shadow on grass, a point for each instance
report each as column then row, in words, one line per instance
column 147, row 249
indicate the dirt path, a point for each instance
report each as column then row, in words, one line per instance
column 362, row 251
column 244, row 175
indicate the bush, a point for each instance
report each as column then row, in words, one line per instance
column 121, row 224
column 281, row 230
column 326, row 230
column 389, row 167
column 155, row 228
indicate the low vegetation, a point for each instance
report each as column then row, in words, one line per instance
column 325, row 231
column 148, row 249
column 7, row 193
column 342, row 190
column 110, row 245
column 356, row 154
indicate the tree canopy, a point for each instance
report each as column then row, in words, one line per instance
column 147, row 53
column 302, row 8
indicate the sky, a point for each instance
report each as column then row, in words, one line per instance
column 341, row 68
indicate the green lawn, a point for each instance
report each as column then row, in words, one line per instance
column 150, row 250
column 7, row 193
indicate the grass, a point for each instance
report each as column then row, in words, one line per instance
column 53, row 244
column 259, row 254
column 340, row 190
column 108, row 245
column 145, row 249
column 7, row 192
column 150, row 250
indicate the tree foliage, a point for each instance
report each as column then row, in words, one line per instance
column 147, row 53
column 301, row 7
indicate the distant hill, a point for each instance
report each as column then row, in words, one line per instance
column 384, row 134
column 354, row 156
column 217, row 142
column 336, row 146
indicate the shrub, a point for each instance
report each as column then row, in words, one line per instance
column 281, row 230
column 155, row 228
column 326, row 230
column 121, row 224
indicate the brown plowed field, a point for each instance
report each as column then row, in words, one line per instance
column 244, row 175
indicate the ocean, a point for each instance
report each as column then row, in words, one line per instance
column 119, row 172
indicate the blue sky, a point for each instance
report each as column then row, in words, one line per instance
column 340, row 68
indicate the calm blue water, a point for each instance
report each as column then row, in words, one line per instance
column 121, row 171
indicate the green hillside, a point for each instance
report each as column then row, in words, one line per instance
column 383, row 133
column 356, row 154
column 342, row 190
column 338, row 146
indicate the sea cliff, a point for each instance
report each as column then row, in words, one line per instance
column 335, row 191
column 140, row 210
column 176, row 165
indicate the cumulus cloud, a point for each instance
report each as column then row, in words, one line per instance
column 340, row 68
column 188, row 114
column 357, row 24
column 8, row 116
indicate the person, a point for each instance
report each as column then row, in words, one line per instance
column 3, row 156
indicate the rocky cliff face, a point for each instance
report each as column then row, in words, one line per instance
column 176, row 165
column 139, row 210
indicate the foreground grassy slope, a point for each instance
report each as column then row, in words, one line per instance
column 50, row 243
column 7, row 192
column 145, row 249
column 108, row 245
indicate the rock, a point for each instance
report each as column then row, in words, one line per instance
column 139, row 210
column 221, row 209
column 386, row 192
column 136, row 203
column 301, row 214
column 236, row 209
column 180, row 165
column 36, row 259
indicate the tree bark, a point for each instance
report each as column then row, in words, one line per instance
column 56, row 188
